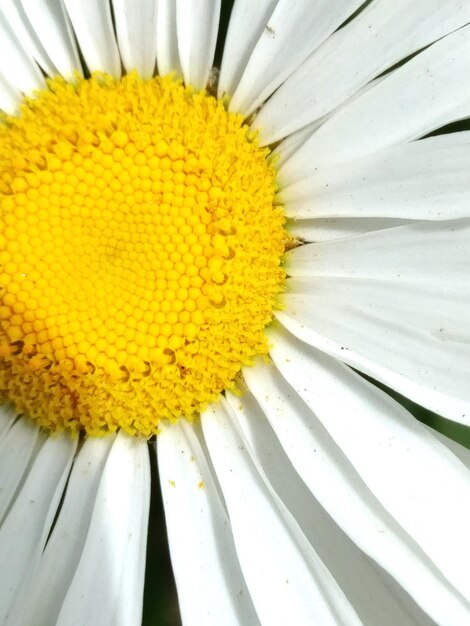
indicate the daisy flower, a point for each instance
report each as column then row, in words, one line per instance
column 203, row 263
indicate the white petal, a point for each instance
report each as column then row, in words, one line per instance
column 168, row 59
column 420, row 483
column 380, row 36
column 31, row 516
column 247, row 21
column 400, row 316
column 52, row 27
column 335, row 483
column 291, row 144
column 40, row 599
column 197, row 24
column 21, row 26
column 329, row 229
column 458, row 449
column 283, row 573
column 376, row 597
column 424, row 180
column 274, row 57
column 17, row 69
column 211, row 588
column 422, row 95
column 17, row 448
column 431, row 253
column 136, row 29
column 93, row 27
column 10, row 97
column 288, row 146
column 107, row 587
column 7, row 416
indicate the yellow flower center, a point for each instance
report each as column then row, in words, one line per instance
column 140, row 253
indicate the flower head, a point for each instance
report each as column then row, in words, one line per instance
column 218, row 258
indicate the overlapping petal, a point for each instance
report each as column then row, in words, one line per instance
column 31, row 516
column 420, row 180
column 424, row 94
column 50, row 23
column 17, row 449
column 334, row 480
column 41, row 596
column 387, row 31
column 284, row 574
column 20, row 74
column 327, row 229
column 208, row 576
column 93, row 26
column 414, row 477
column 107, row 584
column 18, row 20
column 247, row 21
column 376, row 597
column 403, row 319
column 274, row 57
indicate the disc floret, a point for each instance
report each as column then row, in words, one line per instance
column 140, row 253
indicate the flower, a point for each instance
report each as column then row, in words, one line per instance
column 305, row 492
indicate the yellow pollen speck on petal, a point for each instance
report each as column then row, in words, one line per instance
column 140, row 253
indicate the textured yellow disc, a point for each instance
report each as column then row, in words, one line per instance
column 140, row 253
